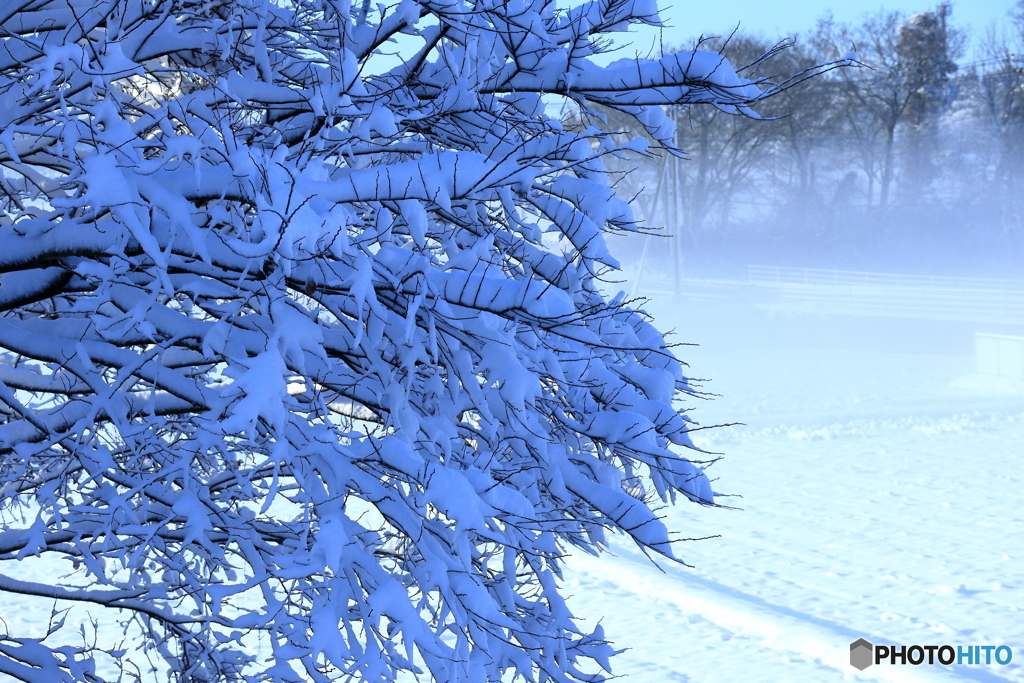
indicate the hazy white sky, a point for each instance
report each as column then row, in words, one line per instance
column 780, row 18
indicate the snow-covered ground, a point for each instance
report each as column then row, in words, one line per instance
column 881, row 498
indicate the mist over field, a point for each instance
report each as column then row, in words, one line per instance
column 911, row 162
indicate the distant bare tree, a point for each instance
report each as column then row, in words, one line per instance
column 910, row 59
column 926, row 47
column 1000, row 96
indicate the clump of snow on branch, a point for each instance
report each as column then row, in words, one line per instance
column 286, row 364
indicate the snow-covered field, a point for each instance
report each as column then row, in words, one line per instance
column 881, row 498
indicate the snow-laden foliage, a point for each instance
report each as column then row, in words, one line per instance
column 302, row 352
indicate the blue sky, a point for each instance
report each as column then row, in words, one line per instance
column 779, row 18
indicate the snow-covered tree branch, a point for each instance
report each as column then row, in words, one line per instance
column 301, row 349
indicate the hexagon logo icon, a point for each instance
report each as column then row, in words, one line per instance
column 861, row 654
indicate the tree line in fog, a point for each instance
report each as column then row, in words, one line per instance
column 914, row 160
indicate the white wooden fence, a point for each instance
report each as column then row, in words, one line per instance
column 881, row 294
column 843, row 292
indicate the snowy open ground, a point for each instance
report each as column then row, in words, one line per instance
column 880, row 483
column 881, row 487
